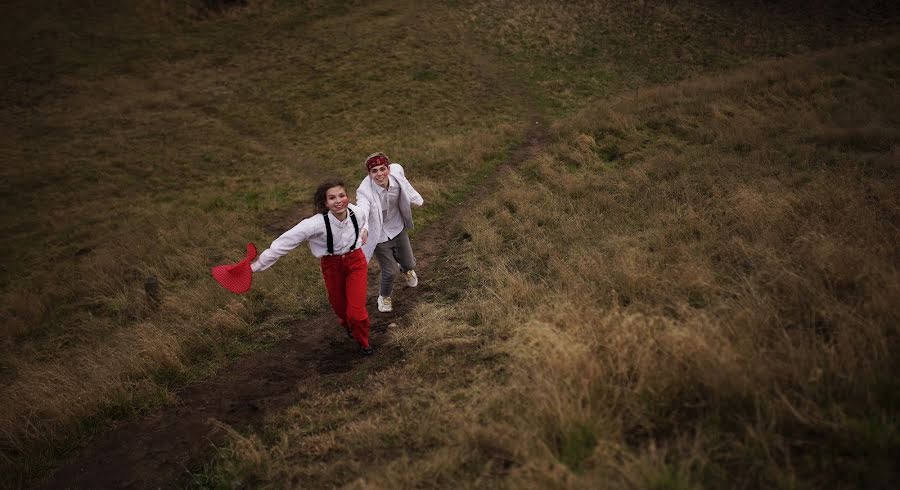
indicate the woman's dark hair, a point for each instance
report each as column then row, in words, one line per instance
column 319, row 196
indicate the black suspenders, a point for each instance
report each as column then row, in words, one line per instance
column 330, row 237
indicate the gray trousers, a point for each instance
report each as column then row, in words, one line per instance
column 396, row 251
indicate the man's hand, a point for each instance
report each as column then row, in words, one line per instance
column 365, row 236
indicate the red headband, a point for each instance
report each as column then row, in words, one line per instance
column 376, row 161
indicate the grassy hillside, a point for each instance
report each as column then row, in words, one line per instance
column 154, row 139
column 697, row 290
column 166, row 160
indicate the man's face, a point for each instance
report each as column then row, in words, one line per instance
column 336, row 200
column 380, row 175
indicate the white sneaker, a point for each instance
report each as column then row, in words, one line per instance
column 411, row 279
column 384, row 304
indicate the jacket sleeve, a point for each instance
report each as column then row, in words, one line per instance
column 363, row 197
column 414, row 197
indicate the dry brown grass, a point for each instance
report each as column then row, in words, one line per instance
column 154, row 139
column 692, row 288
column 720, row 287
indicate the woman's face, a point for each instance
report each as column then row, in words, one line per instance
column 336, row 200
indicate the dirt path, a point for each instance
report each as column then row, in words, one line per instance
column 156, row 450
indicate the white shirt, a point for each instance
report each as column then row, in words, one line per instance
column 392, row 222
column 312, row 230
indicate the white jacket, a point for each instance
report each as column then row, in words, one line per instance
column 367, row 200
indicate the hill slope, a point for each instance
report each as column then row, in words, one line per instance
column 151, row 140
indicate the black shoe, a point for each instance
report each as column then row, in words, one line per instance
column 349, row 333
column 367, row 351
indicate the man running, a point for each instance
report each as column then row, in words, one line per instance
column 388, row 197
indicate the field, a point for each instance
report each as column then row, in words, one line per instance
column 660, row 245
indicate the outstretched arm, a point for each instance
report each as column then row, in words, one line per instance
column 363, row 199
column 363, row 206
column 288, row 241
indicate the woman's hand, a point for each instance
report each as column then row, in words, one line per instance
column 365, row 236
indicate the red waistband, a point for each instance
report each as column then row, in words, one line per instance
column 343, row 256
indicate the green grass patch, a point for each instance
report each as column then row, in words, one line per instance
column 576, row 445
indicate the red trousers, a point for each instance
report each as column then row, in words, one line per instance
column 345, row 279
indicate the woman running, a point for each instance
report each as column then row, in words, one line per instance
column 336, row 236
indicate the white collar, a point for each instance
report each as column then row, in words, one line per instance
column 392, row 182
column 335, row 219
